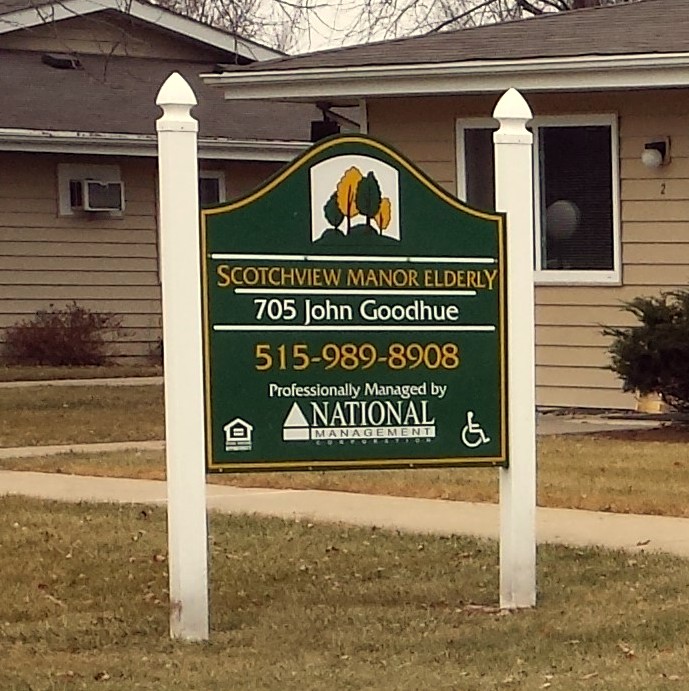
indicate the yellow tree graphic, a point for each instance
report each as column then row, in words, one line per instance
column 384, row 215
column 346, row 194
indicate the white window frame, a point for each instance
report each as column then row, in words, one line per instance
column 558, row 276
column 604, row 276
column 84, row 171
column 218, row 175
column 462, row 125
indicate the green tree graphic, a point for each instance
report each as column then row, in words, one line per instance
column 332, row 211
column 368, row 197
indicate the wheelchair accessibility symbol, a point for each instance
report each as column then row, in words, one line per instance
column 472, row 433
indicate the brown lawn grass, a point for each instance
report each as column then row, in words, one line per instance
column 630, row 472
column 33, row 373
column 36, row 416
column 301, row 607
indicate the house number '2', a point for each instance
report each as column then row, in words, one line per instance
column 662, row 188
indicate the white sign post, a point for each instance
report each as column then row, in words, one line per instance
column 182, row 341
column 514, row 195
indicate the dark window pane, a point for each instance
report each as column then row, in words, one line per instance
column 479, row 168
column 576, row 198
column 76, row 194
column 209, row 192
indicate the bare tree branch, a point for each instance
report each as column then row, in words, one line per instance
column 459, row 17
column 287, row 24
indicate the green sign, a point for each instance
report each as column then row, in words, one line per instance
column 354, row 317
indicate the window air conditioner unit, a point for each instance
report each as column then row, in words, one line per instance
column 94, row 195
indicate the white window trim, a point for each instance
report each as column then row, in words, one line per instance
column 363, row 116
column 558, row 276
column 592, row 277
column 218, row 175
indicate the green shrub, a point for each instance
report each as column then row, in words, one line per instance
column 70, row 336
column 654, row 356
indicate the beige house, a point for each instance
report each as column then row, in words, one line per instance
column 609, row 88
column 78, row 174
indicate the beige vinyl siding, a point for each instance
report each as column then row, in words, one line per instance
column 104, row 264
column 571, row 352
column 108, row 33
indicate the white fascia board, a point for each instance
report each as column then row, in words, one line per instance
column 347, row 85
column 146, row 145
column 45, row 14
column 201, row 32
column 153, row 14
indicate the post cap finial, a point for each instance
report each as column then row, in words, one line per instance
column 176, row 92
column 512, row 106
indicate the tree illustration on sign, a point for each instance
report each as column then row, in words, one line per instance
column 357, row 195
column 333, row 213
column 368, row 197
column 346, row 194
column 384, row 215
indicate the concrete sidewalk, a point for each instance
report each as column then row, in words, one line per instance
column 562, row 526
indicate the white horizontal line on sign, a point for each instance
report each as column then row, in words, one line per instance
column 355, row 258
column 348, row 327
column 345, row 292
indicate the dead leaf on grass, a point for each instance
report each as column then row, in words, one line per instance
column 591, row 675
column 481, row 609
column 54, row 600
column 101, row 676
column 627, row 650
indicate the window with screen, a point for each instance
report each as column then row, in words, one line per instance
column 576, row 197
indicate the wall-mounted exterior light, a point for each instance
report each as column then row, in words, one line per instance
column 656, row 152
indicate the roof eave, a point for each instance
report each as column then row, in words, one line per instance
column 116, row 144
column 67, row 9
column 348, row 85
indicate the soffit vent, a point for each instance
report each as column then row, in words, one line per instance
column 61, row 61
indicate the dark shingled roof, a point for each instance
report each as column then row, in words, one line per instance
column 649, row 26
column 117, row 94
